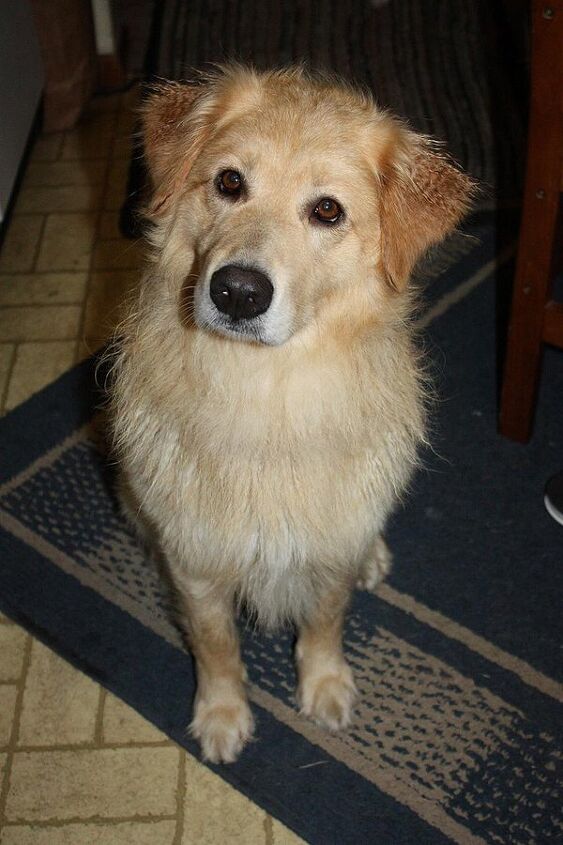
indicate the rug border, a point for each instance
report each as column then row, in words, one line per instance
column 277, row 755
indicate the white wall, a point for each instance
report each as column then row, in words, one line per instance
column 21, row 81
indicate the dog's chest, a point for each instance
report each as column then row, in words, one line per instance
column 264, row 483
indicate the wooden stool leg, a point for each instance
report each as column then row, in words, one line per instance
column 538, row 226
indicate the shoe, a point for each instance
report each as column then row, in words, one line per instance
column 553, row 497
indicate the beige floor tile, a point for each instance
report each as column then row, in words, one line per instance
column 118, row 254
column 8, row 695
column 60, row 704
column 67, row 242
column 116, row 188
column 123, row 833
column 216, row 812
column 61, row 288
column 127, row 121
column 39, row 322
column 49, row 199
column 123, row 724
column 6, row 360
column 130, row 99
column 104, row 103
column 36, row 366
column 104, row 307
column 102, row 783
column 109, row 225
column 92, row 137
column 282, row 835
column 12, row 648
column 86, row 347
column 47, row 147
column 20, row 244
column 122, row 148
column 57, row 173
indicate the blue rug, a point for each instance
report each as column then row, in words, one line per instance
column 457, row 734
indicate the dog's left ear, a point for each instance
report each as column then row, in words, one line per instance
column 422, row 198
column 174, row 118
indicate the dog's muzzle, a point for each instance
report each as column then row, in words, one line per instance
column 241, row 293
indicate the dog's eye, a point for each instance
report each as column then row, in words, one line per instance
column 230, row 182
column 327, row 210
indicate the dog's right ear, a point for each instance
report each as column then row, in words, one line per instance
column 175, row 120
column 423, row 195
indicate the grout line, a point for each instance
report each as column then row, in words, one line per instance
column 268, row 829
column 61, row 145
column 97, row 227
column 12, row 744
column 42, row 305
column 11, row 365
column 39, row 243
column 52, row 272
column 61, row 212
column 86, row 183
column 91, row 745
column 97, row 820
column 180, row 799
column 37, row 340
column 64, row 135
column 21, row 341
column 99, row 727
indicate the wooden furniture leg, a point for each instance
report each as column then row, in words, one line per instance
column 534, row 319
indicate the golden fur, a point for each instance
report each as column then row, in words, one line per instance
column 266, row 466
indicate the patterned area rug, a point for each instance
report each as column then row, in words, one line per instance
column 457, row 735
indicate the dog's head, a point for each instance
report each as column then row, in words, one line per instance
column 280, row 193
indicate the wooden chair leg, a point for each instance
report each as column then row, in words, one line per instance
column 538, row 226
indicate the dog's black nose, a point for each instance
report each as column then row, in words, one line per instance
column 241, row 292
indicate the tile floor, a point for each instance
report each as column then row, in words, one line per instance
column 76, row 764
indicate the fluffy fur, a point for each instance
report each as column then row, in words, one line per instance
column 266, row 463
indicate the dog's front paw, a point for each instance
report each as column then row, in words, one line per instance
column 223, row 729
column 328, row 698
column 376, row 567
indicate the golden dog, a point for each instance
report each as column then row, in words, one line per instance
column 268, row 399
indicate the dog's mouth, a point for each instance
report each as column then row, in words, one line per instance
column 243, row 329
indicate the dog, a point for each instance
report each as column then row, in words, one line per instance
column 268, row 399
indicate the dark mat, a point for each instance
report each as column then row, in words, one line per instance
column 455, row 70
column 457, row 735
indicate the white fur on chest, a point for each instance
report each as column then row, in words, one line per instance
column 274, row 480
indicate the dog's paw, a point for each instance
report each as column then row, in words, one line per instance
column 376, row 567
column 222, row 730
column 328, row 698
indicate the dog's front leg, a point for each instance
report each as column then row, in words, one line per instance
column 326, row 690
column 222, row 720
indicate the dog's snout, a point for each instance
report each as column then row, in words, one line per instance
column 241, row 292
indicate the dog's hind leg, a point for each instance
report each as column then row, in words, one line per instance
column 376, row 566
column 326, row 689
column 222, row 720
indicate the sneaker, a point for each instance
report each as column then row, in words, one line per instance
column 554, row 497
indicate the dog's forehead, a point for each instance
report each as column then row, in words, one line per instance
column 309, row 134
